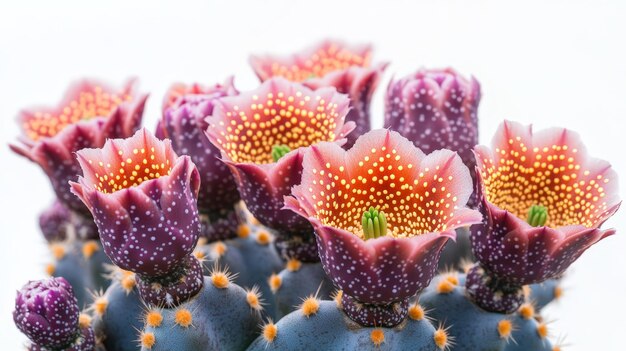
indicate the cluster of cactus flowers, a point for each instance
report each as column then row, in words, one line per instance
column 276, row 218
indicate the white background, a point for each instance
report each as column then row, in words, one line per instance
column 547, row 62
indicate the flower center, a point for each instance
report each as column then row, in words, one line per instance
column 126, row 163
column 249, row 127
column 278, row 151
column 323, row 61
column 89, row 103
column 537, row 215
column 374, row 224
column 556, row 173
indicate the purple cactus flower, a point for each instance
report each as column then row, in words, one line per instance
column 58, row 223
column 261, row 135
column 184, row 124
column 143, row 200
column 222, row 227
column 331, row 64
column 313, row 62
column 436, row 109
column 47, row 312
column 90, row 113
column 85, row 341
column 54, row 222
column 179, row 90
column 543, row 199
column 415, row 202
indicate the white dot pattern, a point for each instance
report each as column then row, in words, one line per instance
column 47, row 312
column 436, row 108
column 184, row 124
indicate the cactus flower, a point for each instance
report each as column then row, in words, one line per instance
column 179, row 90
column 544, row 200
column 46, row 311
column 330, row 63
column 90, row 113
column 248, row 127
column 436, row 109
column 414, row 202
column 143, row 200
column 58, row 223
column 54, row 222
column 184, row 124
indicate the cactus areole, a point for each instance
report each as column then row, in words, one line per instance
column 378, row 240
column 143, row 200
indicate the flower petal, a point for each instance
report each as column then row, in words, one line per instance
column 315, row 61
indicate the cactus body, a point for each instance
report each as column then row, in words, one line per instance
column 218, row 318
column 544, row 293
column 83, row 264
column 328, row 328
column 118, row 323
column 472, row 327
column 292, row 285
column 528, row 332
column 252, row 259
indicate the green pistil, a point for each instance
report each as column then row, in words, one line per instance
column 279, row 151
column 537, row 215
column 374, row 224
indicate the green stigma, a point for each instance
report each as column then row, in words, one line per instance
column 537, row 215
column 374, row 224
column 279, row 151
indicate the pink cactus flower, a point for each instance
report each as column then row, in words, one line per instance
column 261, row 135
column 544, row 200
column 89, row 113
column 143, row 200
column 382, row 212
column 330, row 63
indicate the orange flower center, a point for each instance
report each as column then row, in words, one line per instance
column 90, row 103
column 290, row 120
column 321, row 62
column 126, row 163
column 551, row 176
column 414, row 201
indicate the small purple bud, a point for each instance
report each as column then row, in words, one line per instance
column 53, row 222
column 47, row 312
